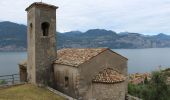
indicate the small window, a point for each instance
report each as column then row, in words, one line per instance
column 30, row 30
column 45, row 28
column 30, row 27
column 66, row 81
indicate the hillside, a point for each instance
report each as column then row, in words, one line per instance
column 13, row 38
column 27, row 92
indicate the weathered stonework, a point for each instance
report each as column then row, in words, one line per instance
column 81, row 76
column 76, row 72
column 100, row 91
column 23, row 73
column 41, row 42
column 62, row 71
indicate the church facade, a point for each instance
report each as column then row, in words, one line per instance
column 82, row 73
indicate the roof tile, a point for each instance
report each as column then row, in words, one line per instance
column 75, row 57
column 108, row 76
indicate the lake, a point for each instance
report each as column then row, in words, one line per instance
column 140, row 60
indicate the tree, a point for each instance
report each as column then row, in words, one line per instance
column 154, row 89
column 158, row 87
column 146, row 80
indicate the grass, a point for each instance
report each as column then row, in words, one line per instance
column 28, row 92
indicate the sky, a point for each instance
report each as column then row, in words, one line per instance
column 148, row 17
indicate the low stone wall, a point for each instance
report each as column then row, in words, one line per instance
column 129, row 97
column 61, row 94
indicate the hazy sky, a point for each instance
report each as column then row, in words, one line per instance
column 144, row 16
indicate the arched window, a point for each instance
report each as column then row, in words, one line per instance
column 45, row 28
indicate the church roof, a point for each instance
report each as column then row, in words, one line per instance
column 41, row 4
column 75, row 57
column 109, row 76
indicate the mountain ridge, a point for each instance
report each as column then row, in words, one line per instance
column 13, row 38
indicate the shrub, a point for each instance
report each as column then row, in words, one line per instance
column 2, row 82
column 155, row 89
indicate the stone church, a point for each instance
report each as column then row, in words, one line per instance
column 82, row 73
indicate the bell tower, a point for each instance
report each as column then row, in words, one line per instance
column 41, row 39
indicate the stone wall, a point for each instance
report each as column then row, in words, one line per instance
column 60, row 73
column 100, row 91
column 89, row 69
column 129, row 97
column 80, row 78
column 41, row 49
column 23, row 73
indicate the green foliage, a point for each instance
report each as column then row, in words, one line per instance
column 2, row 82
column 146, row 80
column 135, row 90
column 155, row 89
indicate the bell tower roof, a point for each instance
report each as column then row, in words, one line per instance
column 41, row 4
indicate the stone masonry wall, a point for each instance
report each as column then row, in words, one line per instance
column 41, row 49
column 102, row 91
column 62, row 71
column 92, row 67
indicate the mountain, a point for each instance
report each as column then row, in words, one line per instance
column 13, row 38
column 105, row 38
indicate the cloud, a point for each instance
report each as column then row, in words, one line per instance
column 143, row 16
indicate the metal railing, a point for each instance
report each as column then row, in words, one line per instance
column 9, row 79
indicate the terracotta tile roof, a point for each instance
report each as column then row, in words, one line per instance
column 75, row 57
column 138, row 78
column 109, row 76
column 40, row 4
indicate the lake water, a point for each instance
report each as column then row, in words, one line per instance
column 146, row 60
column 140, row 60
